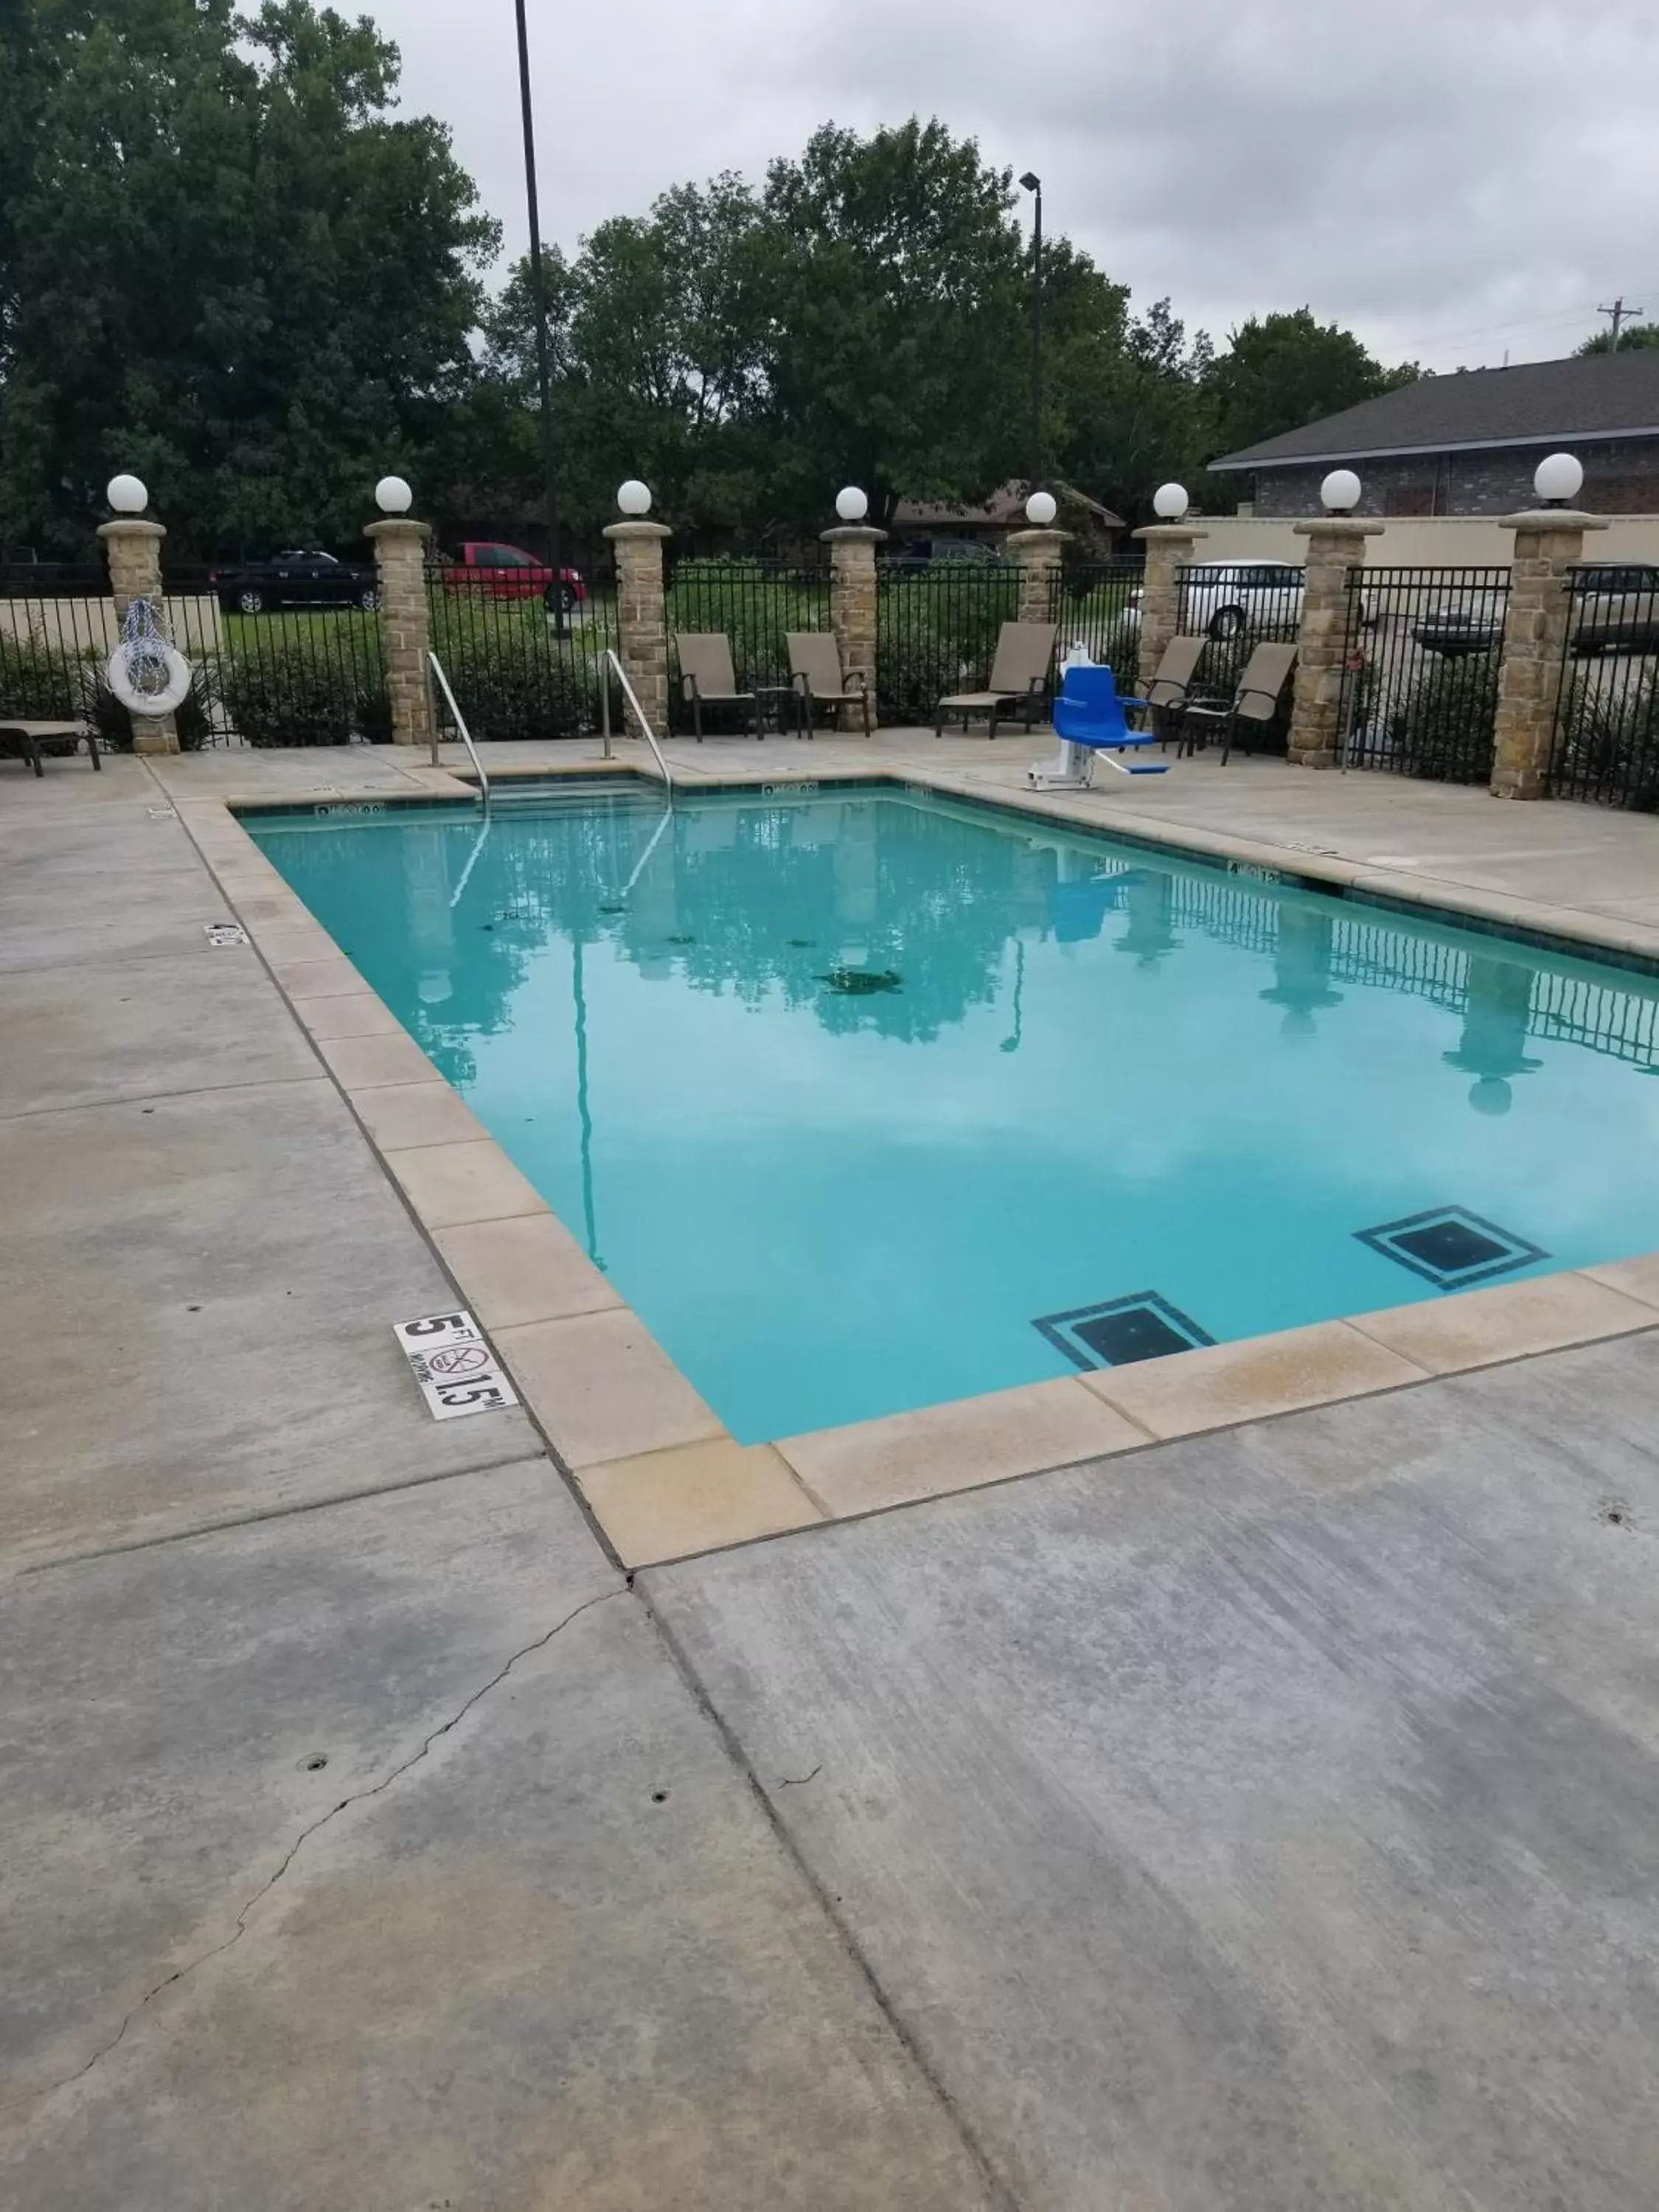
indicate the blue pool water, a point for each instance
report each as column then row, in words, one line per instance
column 1107, row 1104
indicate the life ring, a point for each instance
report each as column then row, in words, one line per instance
column 152, row 698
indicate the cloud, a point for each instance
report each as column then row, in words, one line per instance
column 1453, row 178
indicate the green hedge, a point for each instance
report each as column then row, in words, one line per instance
column 1609, row 737
column 936, row 633
column 1443, row 730
column 44, row 684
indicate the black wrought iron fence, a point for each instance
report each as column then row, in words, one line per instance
column 1098, row 607
column 1420, row 691
column 280, row 676
column 1607, row 715
column 517, row 668
column 57, row 628
column 753, row 605
column 936, row 631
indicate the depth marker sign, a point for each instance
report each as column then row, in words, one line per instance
column 454, row 1365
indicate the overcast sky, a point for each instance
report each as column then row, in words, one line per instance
column 1452, row 178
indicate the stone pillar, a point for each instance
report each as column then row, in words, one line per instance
column 1336, row 543
column 1038, row 552
column 1168, row 548
column 133, row 548
column 642, row 616
column 1547, row 542
column 400, row 546
column 853, row 607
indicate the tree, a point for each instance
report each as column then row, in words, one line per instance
column 1281, row 371
column 226, row 266
column 1131, row 407
column 895, row 285
column 1635, row 338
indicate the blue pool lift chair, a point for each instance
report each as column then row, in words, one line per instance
column 1089, row 715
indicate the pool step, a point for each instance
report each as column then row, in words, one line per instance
column 569, row 791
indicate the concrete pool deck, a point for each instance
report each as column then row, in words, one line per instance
column 1255, row 1818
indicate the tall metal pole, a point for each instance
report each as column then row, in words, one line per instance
column 1034, row 184
column 538, row 298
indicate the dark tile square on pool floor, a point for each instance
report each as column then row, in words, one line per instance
column 1451, row 1247
column 1141, row 1327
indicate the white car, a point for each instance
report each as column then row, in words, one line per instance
column 1221, row 598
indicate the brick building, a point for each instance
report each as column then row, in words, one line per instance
column 1468, row 444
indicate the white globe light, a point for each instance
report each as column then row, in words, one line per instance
column 126, row 495
column 1340, row 492
column 1170, row 501
column 1041, row 508
column 393, row 496
column 634, row 498
column 1560, row 477
column 851, row 504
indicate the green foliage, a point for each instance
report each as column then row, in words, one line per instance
column 1282, row 371
column 1609, row 736
column 1635, row 338
column 44, row 683
column 512, row 674
column 290, row 693
column 1443, row 729
column 754, row 607
column 222, row 263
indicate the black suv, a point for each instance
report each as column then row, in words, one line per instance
column 303, row 577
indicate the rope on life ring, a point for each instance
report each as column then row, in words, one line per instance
column 146, row 674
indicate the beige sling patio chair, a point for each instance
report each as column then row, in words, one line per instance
column 818, row 679
column 1252, row 706
column 708, row 678
column 1167, row 692
column 1019, row 677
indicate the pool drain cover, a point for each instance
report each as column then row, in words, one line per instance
column 1451, row 1247
column 1141, row 1327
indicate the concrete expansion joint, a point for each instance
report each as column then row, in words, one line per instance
column 323, row 1820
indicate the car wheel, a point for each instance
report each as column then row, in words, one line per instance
column 369, row 598
column 1226, row 622
column 251, row 602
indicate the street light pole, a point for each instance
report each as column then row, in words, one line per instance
column 1033, row 184
column 538, row 301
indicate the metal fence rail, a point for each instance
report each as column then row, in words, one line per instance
column 1606, row 715
column 56, row 628
column 936, row 631
column 286, row 675
column 1420, row 691
column 1097, row 606
column 518, row 671
column 754, row 604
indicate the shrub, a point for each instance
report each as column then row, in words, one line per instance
column 1608, row 743
column 286, row 694
column 46, row 683
column 936, row 634
column 1443, row 729
column 755, row 605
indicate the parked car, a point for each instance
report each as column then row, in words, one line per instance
column 924, row 552
column 508, row 572
column 1221, row 598
column 302, row 577
column 1616, row 610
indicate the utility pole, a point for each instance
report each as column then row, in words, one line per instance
column 1033, row 184
column 1621, row 315
column 538, row 299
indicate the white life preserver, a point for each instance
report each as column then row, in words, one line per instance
column 161, row 700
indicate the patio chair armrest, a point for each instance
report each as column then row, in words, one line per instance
column 688, row 687
column 1254, row 691
column 800, row 683
column 856, row 675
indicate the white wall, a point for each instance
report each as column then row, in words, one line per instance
column 1440, row 541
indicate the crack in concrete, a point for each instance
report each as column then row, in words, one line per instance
column 357, row 1797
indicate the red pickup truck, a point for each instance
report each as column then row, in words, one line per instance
column 507, row 572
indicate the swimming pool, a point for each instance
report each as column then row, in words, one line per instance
column 868, row 1098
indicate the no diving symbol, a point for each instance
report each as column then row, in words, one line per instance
column 458, row 1360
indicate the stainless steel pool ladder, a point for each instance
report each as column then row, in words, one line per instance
column 459, row 720
column 639, row 716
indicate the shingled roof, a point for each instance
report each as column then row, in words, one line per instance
column 1542, row 403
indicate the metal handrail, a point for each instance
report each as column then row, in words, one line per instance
column 639, row 715
column 460, row 724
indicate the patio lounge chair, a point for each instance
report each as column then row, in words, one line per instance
column 708, row 678
column 819, row 680
column 1252, row 705
column 1019, row 677
column 1167, row 692
column 26, row 741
